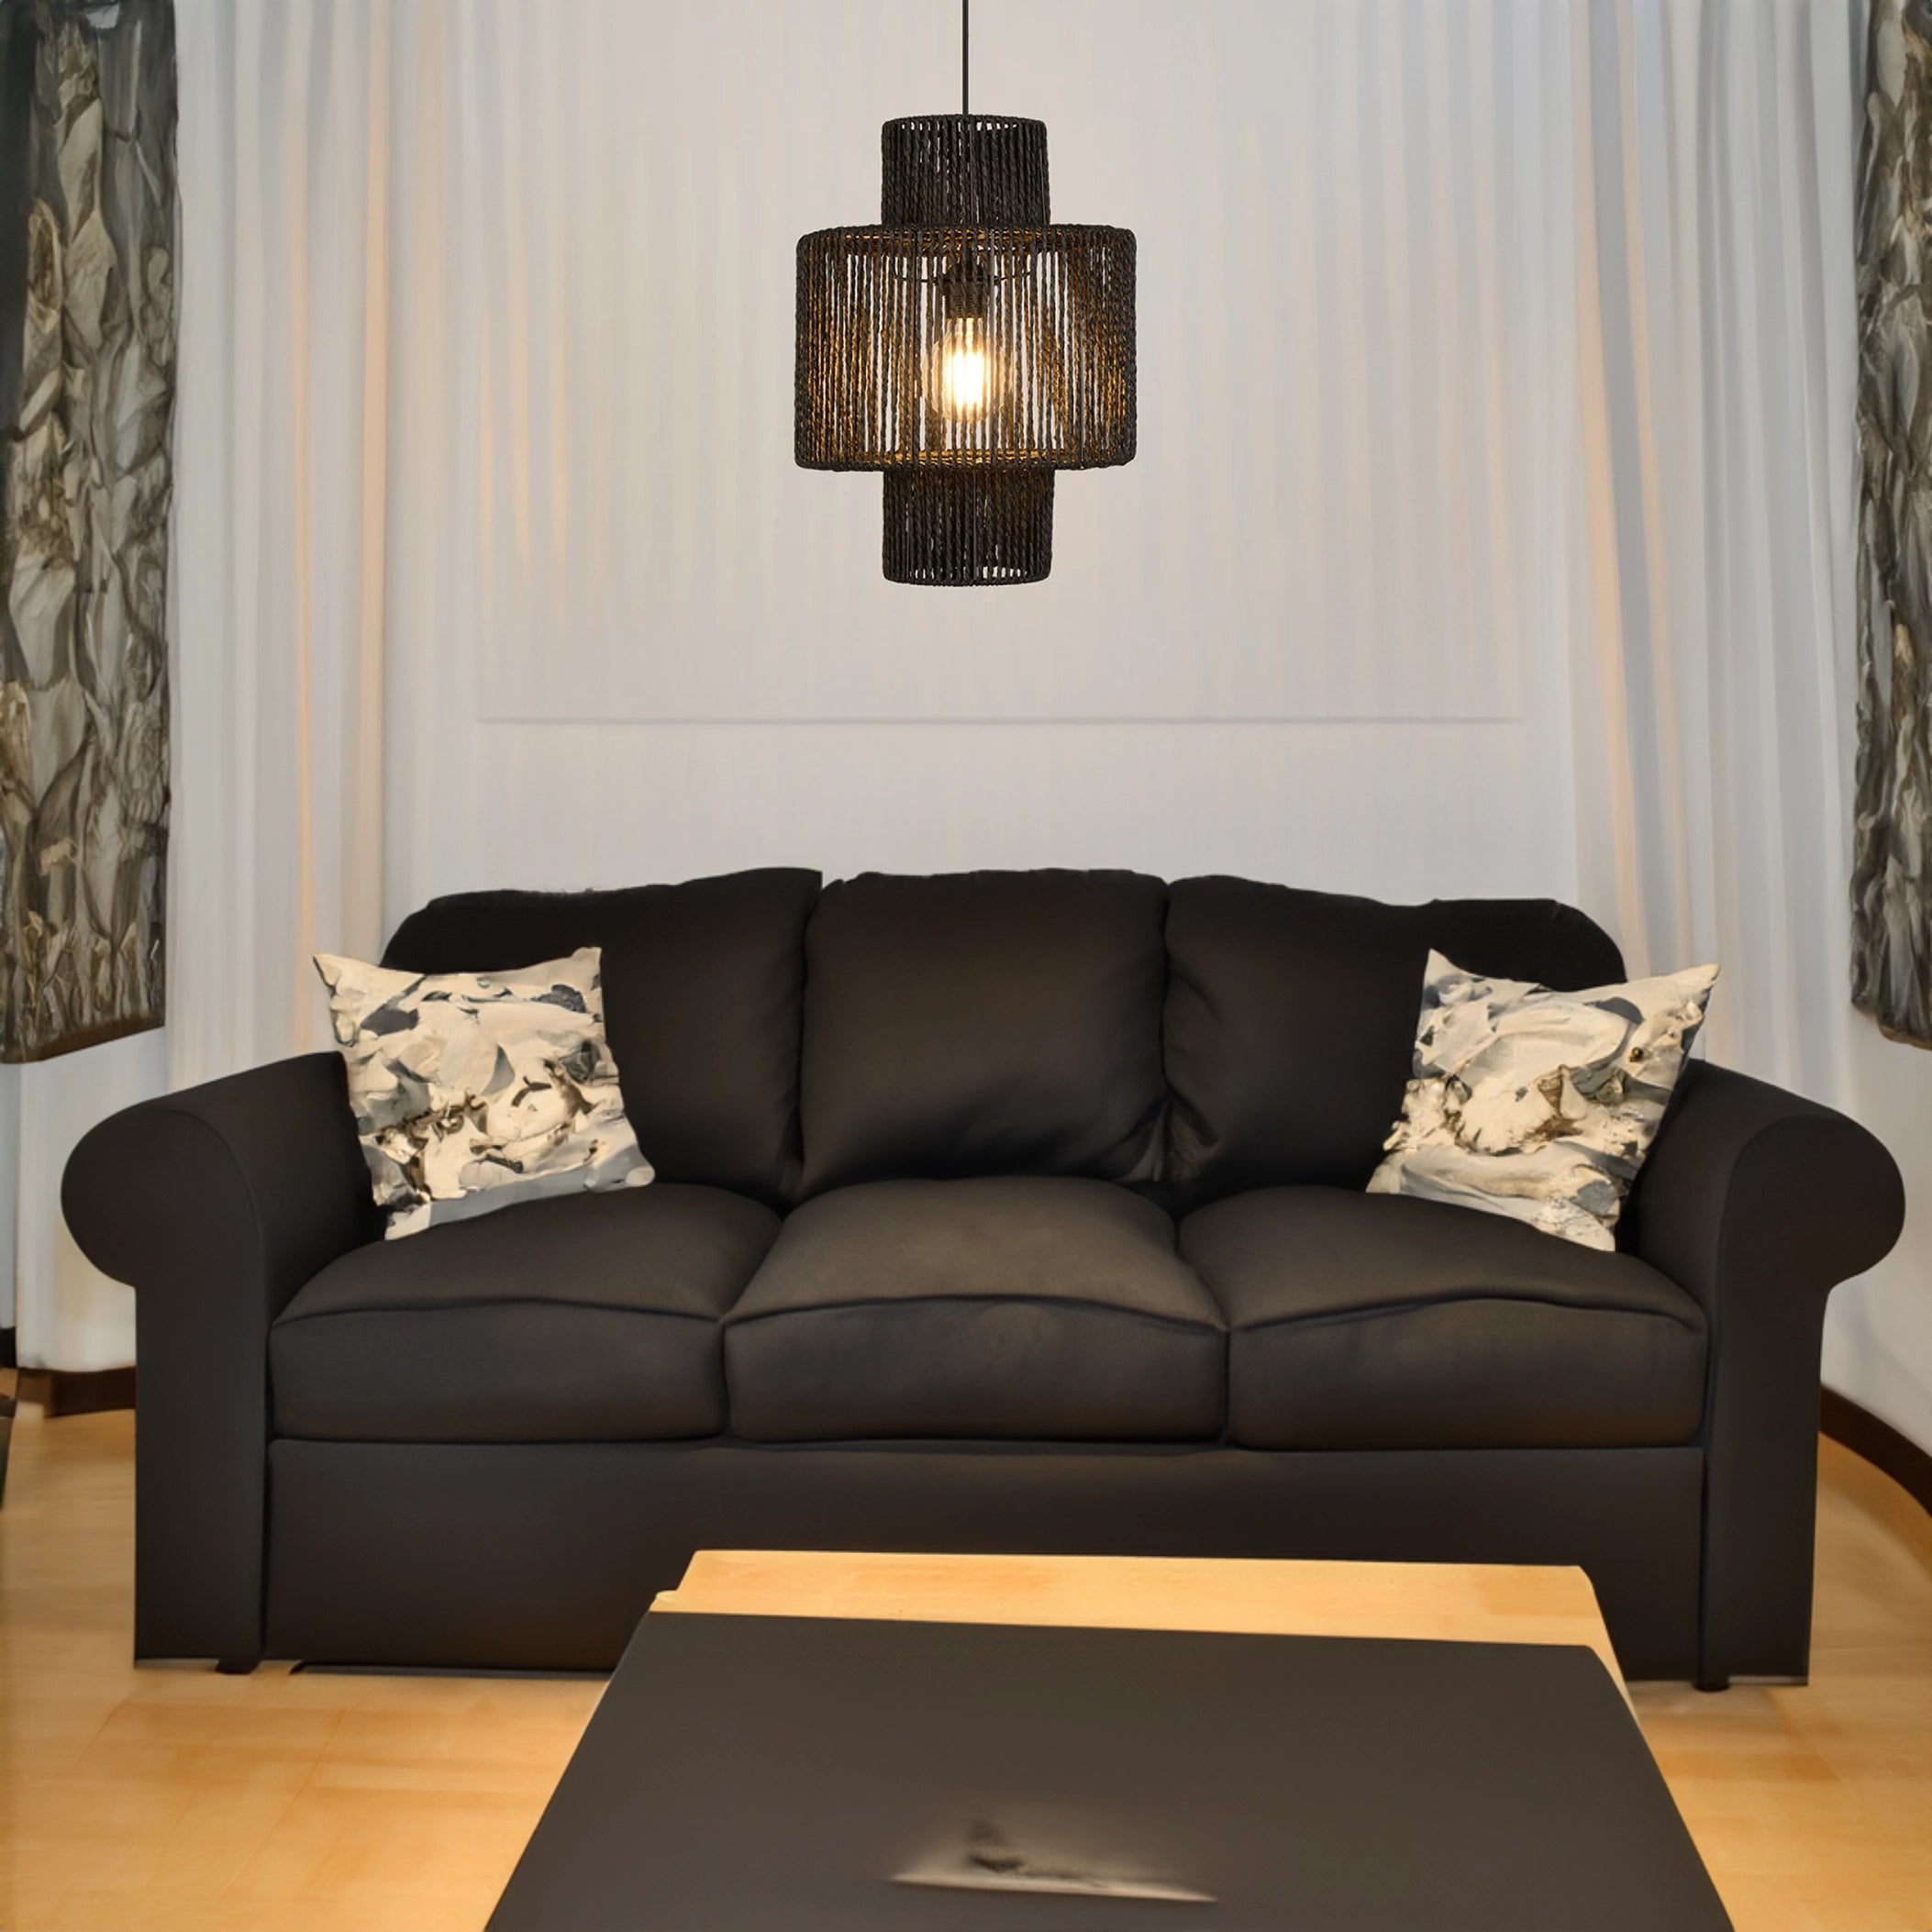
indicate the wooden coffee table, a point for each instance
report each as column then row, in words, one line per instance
column 882, row 1743
column 1447, row 1603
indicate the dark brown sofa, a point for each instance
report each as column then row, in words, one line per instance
column 995, row 1212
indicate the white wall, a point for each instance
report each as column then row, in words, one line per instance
column 9, row 1193
column 1315, row 631
column 1403, row 811
column 68, row 1313
column 1878, row 1342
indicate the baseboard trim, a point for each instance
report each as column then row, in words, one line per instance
column 77, row 1391
column 1886, row 1449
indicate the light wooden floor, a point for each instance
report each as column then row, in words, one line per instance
column 177, row 1800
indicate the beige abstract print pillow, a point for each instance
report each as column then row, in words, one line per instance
column 473, row 1091
column 1536, row 1105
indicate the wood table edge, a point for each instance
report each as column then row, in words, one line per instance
column 1272, row 1596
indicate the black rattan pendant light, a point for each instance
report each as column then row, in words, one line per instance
column 967, row 347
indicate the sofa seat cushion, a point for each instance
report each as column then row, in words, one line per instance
column 593, row 1318
column 1377, row 1322
column 1033, row 1308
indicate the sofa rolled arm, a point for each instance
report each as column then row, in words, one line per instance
column 1758, row 1204
column 216, row 1203
column 1744, row 1171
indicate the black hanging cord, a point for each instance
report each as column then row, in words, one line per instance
column 965, row 7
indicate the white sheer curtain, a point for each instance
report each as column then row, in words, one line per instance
column 1716, row 145
column 1715, row 311
column 281, row 517
column 1490, row 531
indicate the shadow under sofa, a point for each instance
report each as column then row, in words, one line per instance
column 996, row 1212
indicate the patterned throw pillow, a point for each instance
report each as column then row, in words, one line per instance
column 1536, row 1105
column 473, row 1091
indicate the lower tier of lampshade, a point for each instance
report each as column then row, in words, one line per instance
column 968, row 526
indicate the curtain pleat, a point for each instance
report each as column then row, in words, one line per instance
column 282, row 512
column 1716, row 229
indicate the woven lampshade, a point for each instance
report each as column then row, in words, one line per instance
column 968, row 348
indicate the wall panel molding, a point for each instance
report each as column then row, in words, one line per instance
column 1348, row 497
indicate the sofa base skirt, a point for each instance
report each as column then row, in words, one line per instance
column 543, row 1557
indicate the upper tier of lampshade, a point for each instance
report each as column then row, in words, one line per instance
column 966, row 330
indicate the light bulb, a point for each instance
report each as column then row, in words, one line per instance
column 963, row 375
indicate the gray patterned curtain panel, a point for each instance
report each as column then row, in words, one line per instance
column 1892, row 860
column 87, row 246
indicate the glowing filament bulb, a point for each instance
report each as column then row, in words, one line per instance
column 963, row 373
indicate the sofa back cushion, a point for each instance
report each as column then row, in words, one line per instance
column 1291, row 1018
column 983, row 1023
column 702, row 985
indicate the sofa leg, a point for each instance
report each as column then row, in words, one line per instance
column 1705, row 1683
column 235, row 1666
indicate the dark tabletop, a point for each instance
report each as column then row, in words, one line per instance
column 744, row 1773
